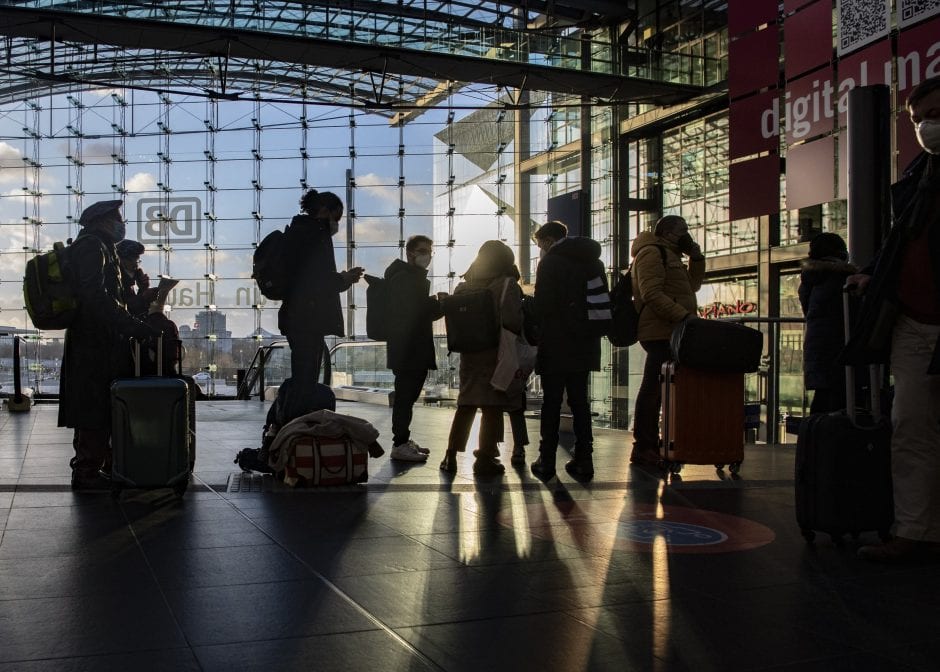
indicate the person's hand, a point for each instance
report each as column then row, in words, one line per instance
column 858, row 283
column 353, row 275
column 695, row 252
column 142, row 280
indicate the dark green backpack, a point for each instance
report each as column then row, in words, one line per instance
column 48, row 289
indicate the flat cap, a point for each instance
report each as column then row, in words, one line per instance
column 99, row 209
column 129, row 249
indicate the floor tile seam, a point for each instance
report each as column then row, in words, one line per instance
column 294, row 638
column 405, row 644
column 93, row 656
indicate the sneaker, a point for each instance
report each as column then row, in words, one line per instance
column 89, row 481
column 408, row 452
column 420, row 449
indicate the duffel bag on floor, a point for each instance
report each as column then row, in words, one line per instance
column 316, row 461
column 717, row 345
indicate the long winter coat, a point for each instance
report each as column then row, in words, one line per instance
column 97, row 349
column 312, row 303
column 560, row 287
column 871, row 334
column 821, row 282
column 476, row 368
column 663, row 293
column 410, row 331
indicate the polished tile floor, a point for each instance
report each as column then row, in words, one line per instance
column 418, row 570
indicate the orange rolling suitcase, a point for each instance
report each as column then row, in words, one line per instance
column 702, row 418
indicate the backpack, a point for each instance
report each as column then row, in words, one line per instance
column 377, row 308
column 48, row 288
column 269, row 266
column 596, row 311
column 626, row 319
column 470, row 320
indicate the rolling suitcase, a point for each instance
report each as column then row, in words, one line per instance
column 843, row 466
column 702, row 418
column 150, row 431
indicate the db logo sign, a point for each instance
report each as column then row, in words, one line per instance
column 179, row 221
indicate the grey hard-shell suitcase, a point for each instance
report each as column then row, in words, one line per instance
column 150, row 432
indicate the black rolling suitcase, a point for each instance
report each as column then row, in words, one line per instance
column 843, row 467
column 150, row 431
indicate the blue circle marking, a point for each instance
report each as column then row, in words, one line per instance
column 675, row 534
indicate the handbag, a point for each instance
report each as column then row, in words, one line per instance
column 515, row 358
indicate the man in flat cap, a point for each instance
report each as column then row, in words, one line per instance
column 96, row 347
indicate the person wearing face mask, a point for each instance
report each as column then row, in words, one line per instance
column 96, row 350
column 899, row 322
column 666, row 287
column 311, row 308
column 410, row 352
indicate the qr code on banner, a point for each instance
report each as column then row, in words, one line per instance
column 911, row 11
column 862, row 22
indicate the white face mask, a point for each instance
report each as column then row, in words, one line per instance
column 928, row 135
column 423, row 260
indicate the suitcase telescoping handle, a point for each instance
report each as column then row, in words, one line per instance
column 874, row 370
column 136, row 342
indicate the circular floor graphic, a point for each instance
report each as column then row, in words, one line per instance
column 595, row 527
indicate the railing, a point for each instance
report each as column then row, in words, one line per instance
column 769, row 374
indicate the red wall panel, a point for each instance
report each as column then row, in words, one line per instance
column 753, row 62
column 810, row 173
column 807, row 37
column 755, row 187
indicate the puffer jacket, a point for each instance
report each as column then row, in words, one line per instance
column 411, row 333
column 665, row 290
column 821, row 282
column 560, row 284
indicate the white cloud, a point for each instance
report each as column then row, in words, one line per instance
column 11, row 164
column 386, row 189
column 141, row 182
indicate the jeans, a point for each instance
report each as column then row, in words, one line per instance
column 554, row 385
column 649, row 397
column 408, row 386
column 92, row 448
column 915, row 442
column 306, row 356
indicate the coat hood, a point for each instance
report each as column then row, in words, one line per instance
column 398, row 266
column 580, row 249
column 647, row 238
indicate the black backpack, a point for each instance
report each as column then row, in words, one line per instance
column 270, row 267
column 377, row 308
column 625, row 317
column 470, row 319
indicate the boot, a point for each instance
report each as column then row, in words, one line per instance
column 517, row 459
column 544, row 467
column 581, row 466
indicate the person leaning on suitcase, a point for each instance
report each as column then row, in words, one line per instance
column 664, row 294
column 96, row 349
column 900, row 322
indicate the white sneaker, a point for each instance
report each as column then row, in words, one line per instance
column 408, row 452
column 420, row 449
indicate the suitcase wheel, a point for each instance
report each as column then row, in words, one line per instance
column 809, row 535
column 673, row 467
column 719, row 467
column 734, row 468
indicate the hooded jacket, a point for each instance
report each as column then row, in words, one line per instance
column 820, row 292
column 410, row 334
column 312, row 303
column 663, row 293
column 560, row 287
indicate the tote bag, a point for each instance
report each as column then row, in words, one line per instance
column 515, row 358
